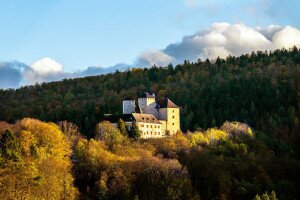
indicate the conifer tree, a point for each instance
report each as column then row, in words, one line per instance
column 135, row 131
column 122, row 127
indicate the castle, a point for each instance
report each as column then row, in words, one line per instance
column 155, row 118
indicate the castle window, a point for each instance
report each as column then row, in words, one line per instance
column 173, row 117
column 147, row 126
column 142, row 125
column 173, row 111
column 147, row 118
column 150, row 126
column 172, row 123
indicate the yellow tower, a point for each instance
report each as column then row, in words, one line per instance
column 169, row 115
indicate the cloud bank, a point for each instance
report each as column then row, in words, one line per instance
column 14, row 74
column 223, row 39
column 220, row 39
column 11, row 74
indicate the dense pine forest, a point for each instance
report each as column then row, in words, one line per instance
column 240, row 139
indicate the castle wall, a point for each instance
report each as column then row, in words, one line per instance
column 142, row 102
column 172, row 118
column 128, row 106
column 150, row 130
column 162, row 114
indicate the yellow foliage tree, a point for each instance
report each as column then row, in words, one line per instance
column 42, row 169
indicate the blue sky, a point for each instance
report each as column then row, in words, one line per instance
column 78, row 34
column 48, row 40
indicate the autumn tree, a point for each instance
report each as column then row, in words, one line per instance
column 35, row 162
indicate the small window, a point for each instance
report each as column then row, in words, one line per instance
column 173, row 117
column 142, row 125
column 172, row 123
column 143, row 118
column 147, row 126
column 153, row 119
column 147, row 118
column 173, row 111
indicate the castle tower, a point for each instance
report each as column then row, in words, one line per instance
column 128, row 106
column 169, row 115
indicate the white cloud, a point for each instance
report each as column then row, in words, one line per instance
column 46, row 66
column 153, row 57
column 223, row 39
column 214, row 52
column 287, row 38
column 44, row 70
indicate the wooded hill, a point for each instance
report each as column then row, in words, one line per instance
column 256, row 159
column 259, row 89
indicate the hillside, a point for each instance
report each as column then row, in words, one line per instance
column 231, row 162
column 258, row 88
column 216, row 157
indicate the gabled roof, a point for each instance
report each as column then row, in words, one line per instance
column 146, row 118
column 166, row 103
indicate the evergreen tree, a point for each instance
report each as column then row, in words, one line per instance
column 122, row 127
column 135, row 132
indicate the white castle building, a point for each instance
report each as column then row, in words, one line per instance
column 155, row 118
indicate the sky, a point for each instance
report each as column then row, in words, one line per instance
column 49, row 40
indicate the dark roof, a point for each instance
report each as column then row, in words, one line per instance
column 115, row 118
column 146, row 118
column 166, row 103
column 147, row 95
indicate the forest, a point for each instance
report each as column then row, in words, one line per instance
column 239, row 139
column 42, row 160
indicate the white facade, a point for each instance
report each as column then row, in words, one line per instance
column 128, row 106
column 150, row 130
